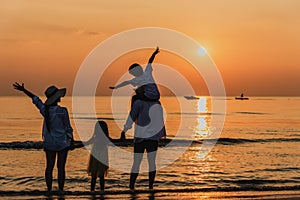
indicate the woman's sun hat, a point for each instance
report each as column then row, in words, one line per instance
column 53, row 94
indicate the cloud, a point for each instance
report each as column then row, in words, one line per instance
column 32, row 27
column 91, row 33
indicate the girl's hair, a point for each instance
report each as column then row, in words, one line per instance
column 101, row 127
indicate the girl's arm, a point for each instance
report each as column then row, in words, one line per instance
column 19, row 87
column 90, row 141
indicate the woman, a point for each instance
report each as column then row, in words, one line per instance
column 57, row 132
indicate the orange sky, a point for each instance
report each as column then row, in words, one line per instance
column 255, row 44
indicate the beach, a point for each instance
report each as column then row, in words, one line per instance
column 255, row 157
column 157, row 194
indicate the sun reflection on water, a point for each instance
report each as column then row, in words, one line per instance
column 201, row 130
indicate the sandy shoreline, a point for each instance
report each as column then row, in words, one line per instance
column 225, row 193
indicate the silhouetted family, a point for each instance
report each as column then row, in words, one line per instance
column 146, row 112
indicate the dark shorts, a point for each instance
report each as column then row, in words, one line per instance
column 148, row 145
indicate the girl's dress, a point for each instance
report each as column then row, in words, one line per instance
column 98, row 163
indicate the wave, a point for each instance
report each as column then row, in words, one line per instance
column 21, row 145
column 195, row 113
column 167, row 190
column 251, row 113
column 97, row 118
column 277, row 169
column 173, row 142
column 257, row 182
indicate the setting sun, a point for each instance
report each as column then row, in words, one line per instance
column 202, row 51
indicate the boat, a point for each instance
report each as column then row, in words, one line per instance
column 191, row 97
column 241, row 97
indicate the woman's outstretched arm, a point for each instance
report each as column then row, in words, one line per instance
column 19, row 87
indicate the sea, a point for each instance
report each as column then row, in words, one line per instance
column 255, row 156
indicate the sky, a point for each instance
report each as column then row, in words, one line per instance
column 254, row 44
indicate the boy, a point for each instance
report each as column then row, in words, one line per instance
column 143, row 80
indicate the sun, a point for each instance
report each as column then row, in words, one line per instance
column 202, row 51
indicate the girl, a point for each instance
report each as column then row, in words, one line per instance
column 98, row 163
column 57, row 132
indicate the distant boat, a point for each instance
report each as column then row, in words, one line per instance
column 241, row 97
column 191, row 97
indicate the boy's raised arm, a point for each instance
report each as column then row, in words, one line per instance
column 153, row 55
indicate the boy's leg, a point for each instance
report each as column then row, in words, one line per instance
column 133, row 99
column 61, row 163
column 50, row 161
column 152, row 93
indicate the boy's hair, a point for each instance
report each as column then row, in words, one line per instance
column 134, row 65
column 135, row 69
column 101, row 126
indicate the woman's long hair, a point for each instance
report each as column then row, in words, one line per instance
column 47, row 118
column 47, row 114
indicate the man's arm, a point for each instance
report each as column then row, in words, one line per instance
column 130, row 119
column 120, row 85
column 153, row 55
column 19, row 87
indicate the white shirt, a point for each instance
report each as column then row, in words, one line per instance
column 147, row 80
column 148, row 116
column 59, row 125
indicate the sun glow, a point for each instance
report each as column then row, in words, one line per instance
column 202, row 51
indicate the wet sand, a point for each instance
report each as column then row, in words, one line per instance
column 155, row 194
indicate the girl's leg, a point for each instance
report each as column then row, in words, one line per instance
column 50, row 161
column 61, row 163
column 102, row 182
column 93, row 182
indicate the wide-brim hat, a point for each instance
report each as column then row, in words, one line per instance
column 53, row 94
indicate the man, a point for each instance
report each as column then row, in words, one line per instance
column 149, row 129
